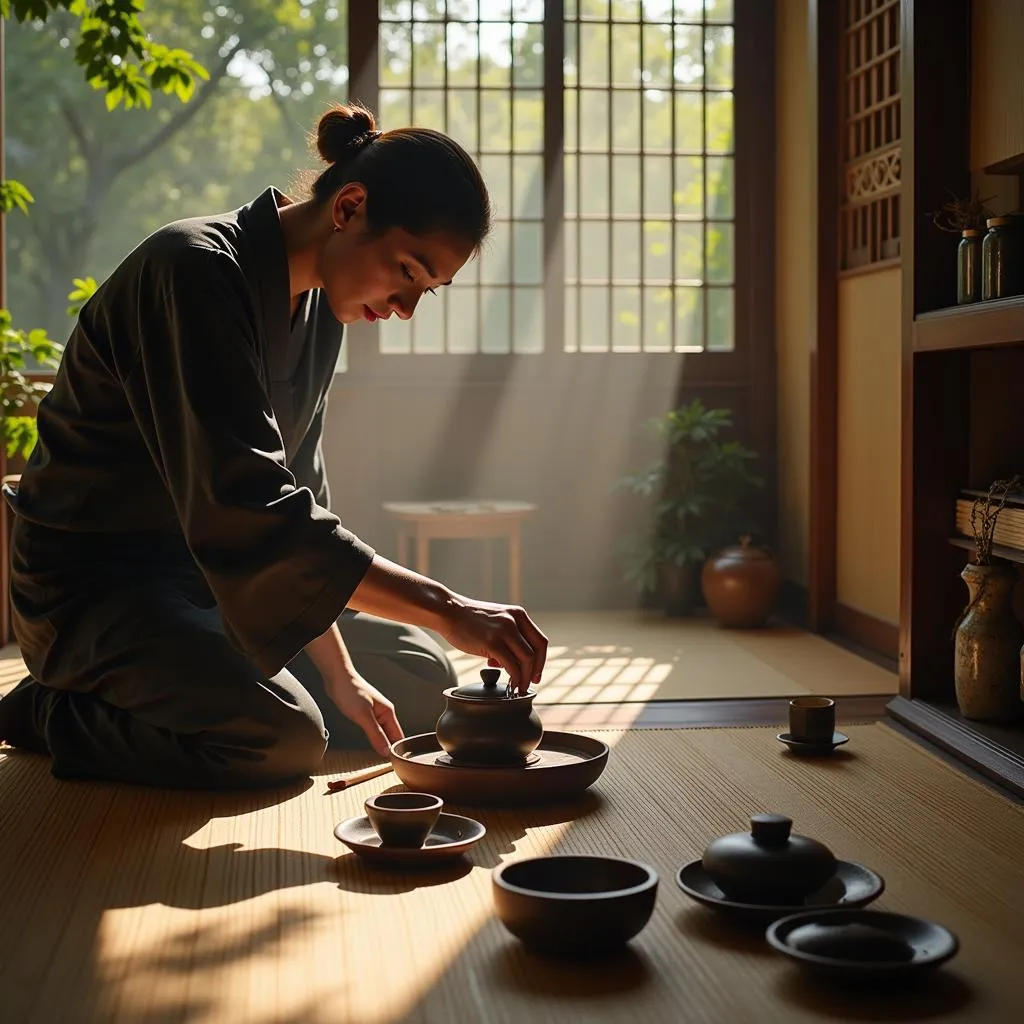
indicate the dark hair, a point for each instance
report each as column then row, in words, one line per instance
column 416, row 178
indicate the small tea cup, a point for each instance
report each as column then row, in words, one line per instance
column 812, row 718
column 403, row 819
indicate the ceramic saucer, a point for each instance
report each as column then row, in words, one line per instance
column 928, row 944
column 452, row 836
column 813, row 748
column 852, row 885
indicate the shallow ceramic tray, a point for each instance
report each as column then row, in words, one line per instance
column 568, row 765
column 853, row 885
column 932, row 944
column 450, row 837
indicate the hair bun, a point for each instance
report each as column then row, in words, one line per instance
column 339, row 127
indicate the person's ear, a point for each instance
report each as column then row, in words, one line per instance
column 347, row 204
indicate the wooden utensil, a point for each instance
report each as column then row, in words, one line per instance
column 355, row 778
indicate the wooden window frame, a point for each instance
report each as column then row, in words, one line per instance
column 753, row 355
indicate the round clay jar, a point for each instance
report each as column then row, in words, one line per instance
column 741, row 585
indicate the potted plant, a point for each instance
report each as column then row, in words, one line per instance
column 988, row 635
column 967, row 218
column 699, row 489
column 19, row 393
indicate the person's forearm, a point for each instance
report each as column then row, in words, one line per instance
column 393, row 592
column 330, row 655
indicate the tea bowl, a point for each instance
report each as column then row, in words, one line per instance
column 574, row 906
column 403, row 819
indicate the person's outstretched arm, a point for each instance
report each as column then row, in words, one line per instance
column 504, row 634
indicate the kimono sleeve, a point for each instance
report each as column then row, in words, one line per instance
column 308, row 462
column 281, row 567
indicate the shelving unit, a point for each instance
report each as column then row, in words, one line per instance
column 997, row 322
column 999, row 550
column 962, row 368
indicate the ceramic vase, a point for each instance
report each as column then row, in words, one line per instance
column 988, row 645
column 741, row 585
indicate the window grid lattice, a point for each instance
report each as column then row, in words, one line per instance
column 871, row 152
column 649, row 171
column 475, row 71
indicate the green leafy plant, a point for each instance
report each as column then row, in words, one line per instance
column 115, row 51
column 699, row 488
column 80, row 294
column 18, row 392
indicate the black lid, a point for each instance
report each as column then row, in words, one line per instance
column 770, row 829
column 486, row 689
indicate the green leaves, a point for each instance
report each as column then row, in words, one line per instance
column 115, row 51
column 14, row 194
column 80, row 294
column 17, row 390
column 699, row 492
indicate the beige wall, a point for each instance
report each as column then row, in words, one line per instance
column 869, row 364
column 794, row 283
column 868, row 519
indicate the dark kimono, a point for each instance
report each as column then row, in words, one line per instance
column 172, row 547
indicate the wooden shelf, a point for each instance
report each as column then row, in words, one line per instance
column 977, row 325
column 995, row 751
column 999, row 550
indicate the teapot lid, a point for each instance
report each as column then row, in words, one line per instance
column 487, row 688
column 770, row 829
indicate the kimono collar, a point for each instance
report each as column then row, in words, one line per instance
column 261, row 222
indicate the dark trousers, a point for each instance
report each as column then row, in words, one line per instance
column 147, row 689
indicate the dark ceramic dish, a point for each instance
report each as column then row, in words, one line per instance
column 812, row 748
column 403, row 819
column 566, row 766
column 451, row 837
column 573, row 906
column 852, row 885
column 862, row 943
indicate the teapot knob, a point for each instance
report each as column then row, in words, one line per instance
column 490, row 676
column 770, row 829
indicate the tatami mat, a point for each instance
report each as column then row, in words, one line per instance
column 617, row 657
column 613, row 657
column 127, row 906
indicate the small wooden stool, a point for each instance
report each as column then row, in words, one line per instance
column 462, row 520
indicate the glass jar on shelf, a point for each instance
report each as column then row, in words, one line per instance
column 1002, row 257
column 968, row 266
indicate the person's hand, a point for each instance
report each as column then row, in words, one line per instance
column 368, row 708
column 504, row 634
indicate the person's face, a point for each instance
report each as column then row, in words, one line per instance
column 370, row 277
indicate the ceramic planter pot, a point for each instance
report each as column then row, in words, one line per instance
column 741, row 585
column 483, row 724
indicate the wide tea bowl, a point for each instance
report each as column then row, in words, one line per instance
column 574, row 906
column 483, row 724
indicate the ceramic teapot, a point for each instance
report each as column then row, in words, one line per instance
column 768, row 864
column 484, row 723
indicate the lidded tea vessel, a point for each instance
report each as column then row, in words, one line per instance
column 768, row 864
column 486, row 724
